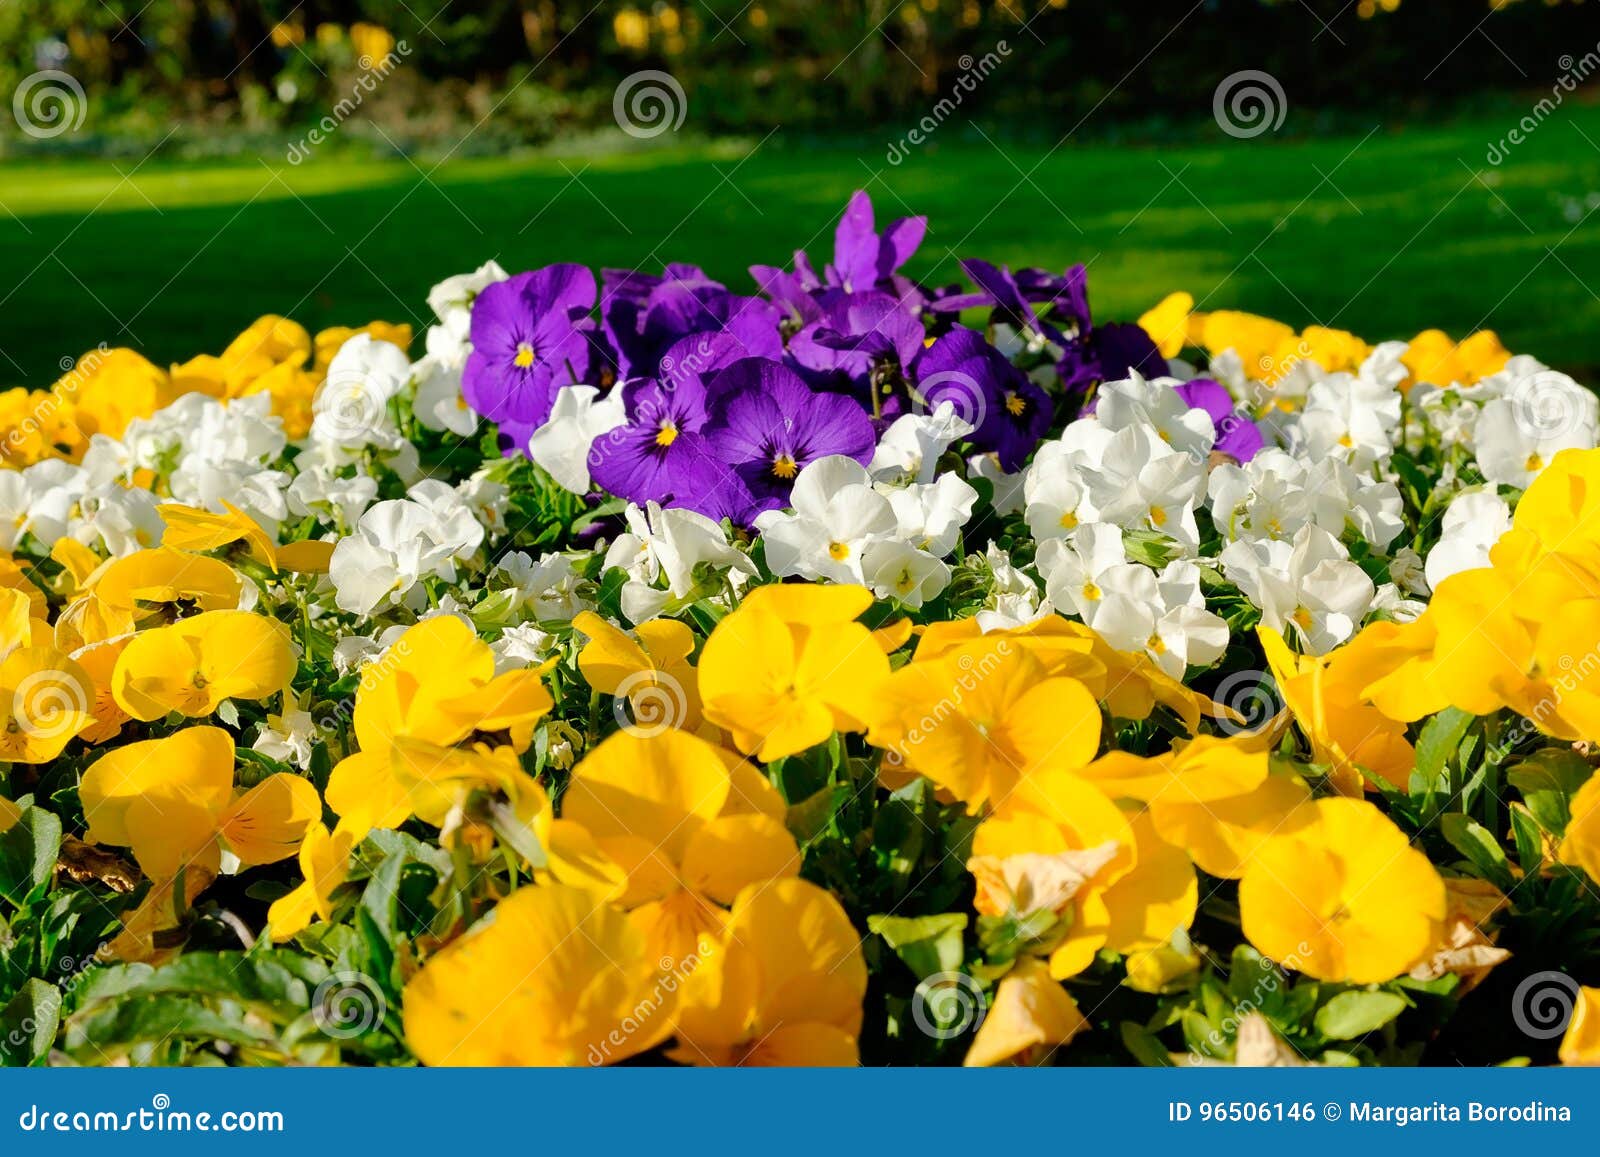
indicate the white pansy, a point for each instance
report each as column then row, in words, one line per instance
column 396, row 545
column 1309, row 589
column 1541, row 415
column 451, row 300
column 931, row 515
column 351, row 407
column 669, row 543
column 1141, row 483
column 1350, row 418
column 288, row 738
column 837, row 515
column 547, row 590
column 1473, row 522
column 579, row 416
column 1008, row 488
column 519, row 646
column 910, row 448
column 455, row 527
column 1014, row 599
column 897, row 570
column 336, row 499
column 1154, row 404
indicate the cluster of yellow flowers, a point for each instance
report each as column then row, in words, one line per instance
column 105, row 389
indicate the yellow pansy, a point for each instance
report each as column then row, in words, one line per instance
column 1156, row 898
column 981, row 720
column 1257, row 340
column 324, row 865
column 193, row 665
column 1055, row 846
column 1167, row 323
column 45, row 700
column 1581, row 844
column 110, row 388
column 688, row 825
column 1343, row 898
column 1030, row 1017
column 783, row 986
column 1432, row 357
column 650, row 669
column 554, row 977
column 328, row 341
column 1337, row 351
column 172, row 802
column 270, row 341
column 200, row 530
column 1346, row 732
column 202, row 374
column 1580, row 1045
column 435, row 685
column 292, row 389
column 788, row 669
column 1203, row 770
column 162, row 583
column 1222, row 835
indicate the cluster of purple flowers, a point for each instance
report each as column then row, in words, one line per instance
column 729, row 396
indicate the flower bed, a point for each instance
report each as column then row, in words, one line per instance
column 858, row 670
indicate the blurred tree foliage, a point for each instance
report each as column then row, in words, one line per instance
column 748, row 64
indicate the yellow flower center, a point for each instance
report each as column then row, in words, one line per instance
column 1016, row 404
column 783, row 466
column 1534, row 463
column 1154, row 643
column 1090, row 592
column 667, row 435
column 1302, row 618
column 1069, row 519
column 1158, row 517
column 1346, row 441
column 838, row 551
column 524, row 357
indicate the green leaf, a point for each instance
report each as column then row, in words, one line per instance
column 1145, row 1046
column 1547, row 780
column 809, row 818
column 1473, row 841
column 1354, row 1014
column 112, row 1030
column 927, row 944
column 28, row 851
column 1440, row 738
column 28, row 1024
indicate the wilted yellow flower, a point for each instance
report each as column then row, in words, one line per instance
column 1031, row 1017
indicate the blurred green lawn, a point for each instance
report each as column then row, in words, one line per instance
column 1405, row 228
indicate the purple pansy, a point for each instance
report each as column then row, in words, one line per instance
column 1013, row 296
column 531, row 335
column 1107, row 353
column 643, row 315
column 863, row 259
column 1010, row 411
column 1237, row 435
column 862, row 342
column 769, row 425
